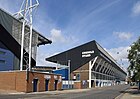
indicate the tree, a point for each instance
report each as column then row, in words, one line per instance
column 134, row 59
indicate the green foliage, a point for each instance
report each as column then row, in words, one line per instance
column 134, row 59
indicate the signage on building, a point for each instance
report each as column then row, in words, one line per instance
column 60, row 79
column 55, row 77
column 63, row 77
column 87, row 53
column 47, row 76
column 74, row 77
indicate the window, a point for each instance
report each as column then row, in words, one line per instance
column 78, row 77
column 1, row 52
column 2, row 61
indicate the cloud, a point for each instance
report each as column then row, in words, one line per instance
column 136, row 8
column 41, row 59
column 56, row 36
column 120, row 55
column 123, row 35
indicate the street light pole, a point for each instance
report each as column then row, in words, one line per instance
column 69, row 73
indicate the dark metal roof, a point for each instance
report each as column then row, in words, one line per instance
column 12, row 45
column 6, row 20
column 42, row 40
column 6, row 26
column 75, row 56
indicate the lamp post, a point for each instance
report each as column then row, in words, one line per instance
column 69, row 73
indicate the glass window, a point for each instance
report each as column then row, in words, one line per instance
column 1, row 52
column 2, row 61
column 78, row 77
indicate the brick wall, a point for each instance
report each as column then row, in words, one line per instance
column 20, row 80
column 41, row 82
column 7, row 81
column 17, row 81
column 78, row 85
column 83, row 71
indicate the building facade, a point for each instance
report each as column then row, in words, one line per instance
column 90, row 66
column 6, row 58
column 10, row 51
column 23, row 81
column 10, row 43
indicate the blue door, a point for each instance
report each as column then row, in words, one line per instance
column 46, row 84
column 55, row 85
column 35, row 81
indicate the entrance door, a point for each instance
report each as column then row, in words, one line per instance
column 35, row 81
column 97, row 83
column 55, row 85
column 92, row 83
column 46, row 84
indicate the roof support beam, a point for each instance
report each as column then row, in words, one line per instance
column 108, row 67
column 90, row 67
column 92, row 64
column 111, row 68
column 98, row 64
column 105, row 67
column 101, row 66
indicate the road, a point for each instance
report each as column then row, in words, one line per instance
column 95, row 93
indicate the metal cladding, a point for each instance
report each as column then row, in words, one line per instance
column 83, row 54
column 11, row 30
column 10, row 23
column 63, row 72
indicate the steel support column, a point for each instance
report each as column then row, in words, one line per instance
column 90, row 67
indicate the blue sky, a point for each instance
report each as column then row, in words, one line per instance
column 114, row 24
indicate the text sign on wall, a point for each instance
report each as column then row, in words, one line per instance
column 47, row 76
column 55, row 77
column 87, row 53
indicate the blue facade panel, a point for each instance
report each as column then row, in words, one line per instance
column 6, row 60
column 63, row 72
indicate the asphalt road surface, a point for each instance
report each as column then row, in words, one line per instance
column 95, row 93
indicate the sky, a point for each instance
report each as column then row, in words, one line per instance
column 114, row 24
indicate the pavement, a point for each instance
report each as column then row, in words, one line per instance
column 46, row 92
column 9, row 92
column 49, row 92
column 130, row 93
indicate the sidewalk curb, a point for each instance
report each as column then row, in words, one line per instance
column 119, row 97
column 60, row 91
column 51, row 92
